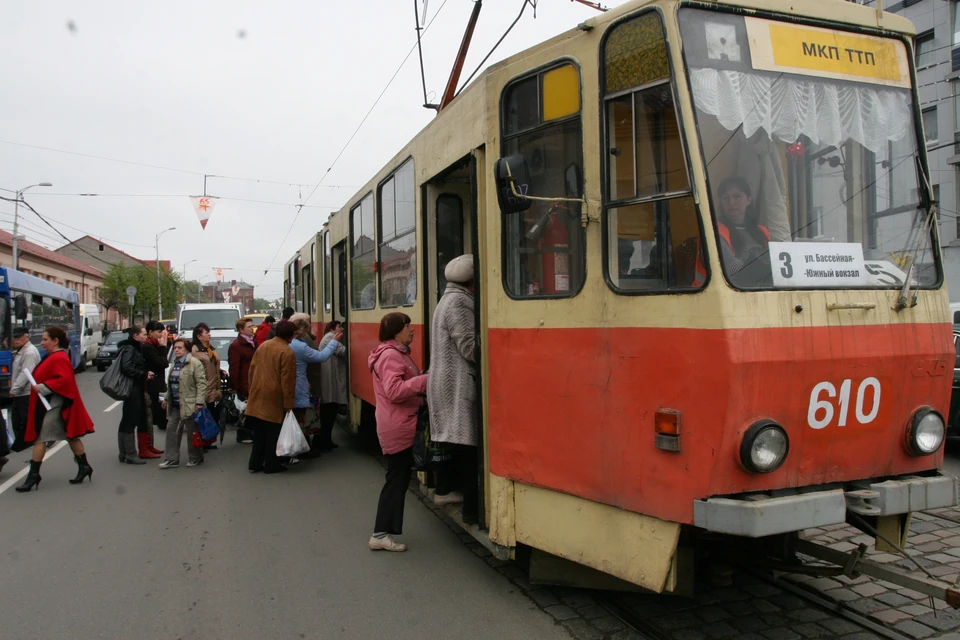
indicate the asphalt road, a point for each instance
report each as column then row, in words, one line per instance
column 214, row 552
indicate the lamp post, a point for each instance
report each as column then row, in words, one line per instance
column 16, row 210
column 185, row 278
column 159, row 298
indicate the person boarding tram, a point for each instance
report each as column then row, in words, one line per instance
column 451, row 392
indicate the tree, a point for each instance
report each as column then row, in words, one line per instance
column 113, row 291
column 261, row 305
column 193, row 292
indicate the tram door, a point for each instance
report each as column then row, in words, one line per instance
column 451, row 226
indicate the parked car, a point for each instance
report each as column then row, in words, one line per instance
column 108, row 350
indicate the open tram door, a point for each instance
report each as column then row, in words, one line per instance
column 451, row 202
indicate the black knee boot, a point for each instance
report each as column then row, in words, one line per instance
column 84, row 469
column 33, row 478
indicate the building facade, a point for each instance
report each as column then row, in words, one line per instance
column 938, row 81
column 53, row 267
column 230, row 291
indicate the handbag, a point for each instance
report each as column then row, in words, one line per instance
column 114, row 383
column 206, row 425
column 428, row 455
column 311, row 419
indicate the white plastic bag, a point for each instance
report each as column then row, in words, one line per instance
column 291, row 442
column 239, row 404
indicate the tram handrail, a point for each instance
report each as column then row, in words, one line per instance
column 584, row 217
column 866, row 306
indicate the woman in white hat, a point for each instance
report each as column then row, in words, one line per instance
column 452, row 391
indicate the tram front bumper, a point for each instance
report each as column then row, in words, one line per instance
column 758, row 515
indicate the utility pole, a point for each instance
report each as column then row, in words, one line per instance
column 16, row 220
column 159, row 296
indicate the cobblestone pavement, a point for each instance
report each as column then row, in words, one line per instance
column 934, row 542
column 742, row 606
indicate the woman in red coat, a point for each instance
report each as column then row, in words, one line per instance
column 67, row 418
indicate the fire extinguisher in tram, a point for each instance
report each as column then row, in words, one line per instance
column 555, row 254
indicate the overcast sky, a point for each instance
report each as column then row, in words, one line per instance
column 231, row 88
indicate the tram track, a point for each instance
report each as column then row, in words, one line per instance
column 662, row 627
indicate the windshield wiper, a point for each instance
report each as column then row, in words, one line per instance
column 904, row 299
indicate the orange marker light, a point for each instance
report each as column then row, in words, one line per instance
column 667, row 424
column 667, row 421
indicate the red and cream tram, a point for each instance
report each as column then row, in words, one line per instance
column 709, row 283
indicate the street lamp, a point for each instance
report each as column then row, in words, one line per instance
column 185, row 278
column 16, row 207
column 159, row 300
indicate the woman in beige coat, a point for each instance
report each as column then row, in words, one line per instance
column 186, row 394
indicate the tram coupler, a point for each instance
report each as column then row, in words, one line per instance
column 855, row 563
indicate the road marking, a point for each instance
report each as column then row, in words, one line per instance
column 19, row 476
column 113, row 406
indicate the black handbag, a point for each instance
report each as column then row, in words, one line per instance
column 114, row 383
column 428, row 455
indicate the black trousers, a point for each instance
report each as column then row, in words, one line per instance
column 394, row 492
column 328, row 418
column 461, row 475
column 133, row 415
column 19, row 412
column 158, row 414
column 263, row 454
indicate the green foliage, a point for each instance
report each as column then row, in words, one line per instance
column 261, row 305
column 113, row 293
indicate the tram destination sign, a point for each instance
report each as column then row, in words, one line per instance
column 817, row 265
column 812, row 51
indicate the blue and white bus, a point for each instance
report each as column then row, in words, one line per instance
column 33, row 303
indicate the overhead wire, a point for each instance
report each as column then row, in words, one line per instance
column 349, row 140
column 532, row 3
column 163, row 168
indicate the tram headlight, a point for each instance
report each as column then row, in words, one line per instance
column 764, row 447
column 926, row 432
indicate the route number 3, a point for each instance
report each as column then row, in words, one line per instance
column 821, row 410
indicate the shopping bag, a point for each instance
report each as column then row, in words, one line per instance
column 114, row 383
column 10, row 437
column 427, row 455
column 206, row 424
column 291, row 442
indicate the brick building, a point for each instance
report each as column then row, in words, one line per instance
column 53, row 267
column 230, row 291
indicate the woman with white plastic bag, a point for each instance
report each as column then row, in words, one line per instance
column 291, row 442
column 273, row 381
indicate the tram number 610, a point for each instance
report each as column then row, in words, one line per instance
column 825, row 406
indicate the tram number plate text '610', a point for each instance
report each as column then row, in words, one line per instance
column 826, row 403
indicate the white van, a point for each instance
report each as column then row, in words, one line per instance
column 220, row 317
column 91, row 333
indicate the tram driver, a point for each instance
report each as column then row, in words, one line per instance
column 744, row 242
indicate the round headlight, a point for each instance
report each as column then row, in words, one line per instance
column 926, row 432
column 764, row 447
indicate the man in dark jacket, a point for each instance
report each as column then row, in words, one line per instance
column 240, row 355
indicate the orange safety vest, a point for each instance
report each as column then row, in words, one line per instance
column 701, row 268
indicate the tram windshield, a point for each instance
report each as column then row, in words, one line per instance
column 810, row 142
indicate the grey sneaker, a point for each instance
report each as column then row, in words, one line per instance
column 169, row 464
column 193, row 464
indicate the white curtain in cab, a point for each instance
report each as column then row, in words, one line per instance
column 787, row 107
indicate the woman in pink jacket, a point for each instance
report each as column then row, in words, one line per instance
column 400, row 388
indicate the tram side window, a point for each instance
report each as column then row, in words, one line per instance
column 544, row 249
column 398, row 238
column 653, row 233
column 327, row 274
column 313, row 287
column 307, row 295
column 363, row 283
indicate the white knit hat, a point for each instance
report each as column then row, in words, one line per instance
column 460, row 269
